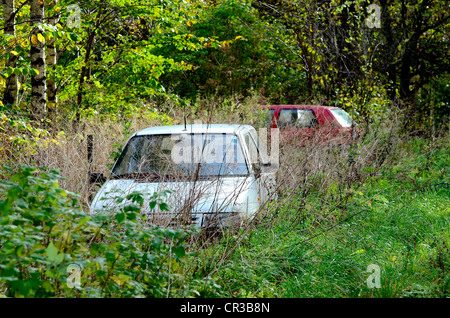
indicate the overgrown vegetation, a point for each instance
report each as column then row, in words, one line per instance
column 322, row 245
column 46, row 239
column 317, row 240
column 114, row 67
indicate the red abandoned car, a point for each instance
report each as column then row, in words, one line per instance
column 307, row 123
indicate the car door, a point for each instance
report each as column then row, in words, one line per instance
column 297, row 124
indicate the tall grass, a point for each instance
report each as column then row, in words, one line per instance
column 321, row 245
column 65, row 147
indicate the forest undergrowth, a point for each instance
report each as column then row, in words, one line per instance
column 368, row 220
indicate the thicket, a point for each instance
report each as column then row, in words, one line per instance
column 51, row 248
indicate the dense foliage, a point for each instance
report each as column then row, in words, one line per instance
column 119, row 57
column 46, row 239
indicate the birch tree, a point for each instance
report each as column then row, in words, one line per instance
column 37, row 58
column 11, row 91
column 51, row 59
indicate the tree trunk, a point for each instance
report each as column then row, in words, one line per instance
column 37, row 57
column 51, row 59
column 12, row 86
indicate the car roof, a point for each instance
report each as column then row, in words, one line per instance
column 300, row 106
column 194, row 128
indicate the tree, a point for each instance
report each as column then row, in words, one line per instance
column 241, row 53
column 37, row 59
column 350, row 63
column 416, row 45
column 11, row 91
column 51, row 59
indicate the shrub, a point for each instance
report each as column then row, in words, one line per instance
column 50, row 248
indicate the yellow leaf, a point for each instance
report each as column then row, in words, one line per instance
column 14, row 53
column 57, row 9
column 121, row 279
column 189, row 23
column 34, row 39
column 40, row 37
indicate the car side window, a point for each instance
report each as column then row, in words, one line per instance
column 297, row 118
column 285, row 118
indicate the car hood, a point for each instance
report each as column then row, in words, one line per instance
column 221, row 195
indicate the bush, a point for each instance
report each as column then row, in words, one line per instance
column 50, row 248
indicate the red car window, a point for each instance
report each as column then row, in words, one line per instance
column 342, row 117
column 296, row 118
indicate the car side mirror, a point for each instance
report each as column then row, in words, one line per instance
column 96, row 177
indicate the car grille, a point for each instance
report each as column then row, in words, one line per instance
column 171, row 219
column 204, row 219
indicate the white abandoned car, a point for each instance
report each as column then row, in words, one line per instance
column 216, row 174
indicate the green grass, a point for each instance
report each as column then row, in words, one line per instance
column 398, row 220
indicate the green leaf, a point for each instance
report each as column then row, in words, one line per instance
column 8, row 71
column 51, row 251
column 131, row 216
column 164, row 206
column 111, row 255
column 73, row 36
column 84, row 220
column 120, row 217
column 59, row 258
column 179, row 251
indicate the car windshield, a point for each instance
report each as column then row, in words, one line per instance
column 158, row 157
column 342, row 117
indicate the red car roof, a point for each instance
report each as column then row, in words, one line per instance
column 299, row 106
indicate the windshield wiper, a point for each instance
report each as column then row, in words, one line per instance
column 150, row 176
column 147, row 176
